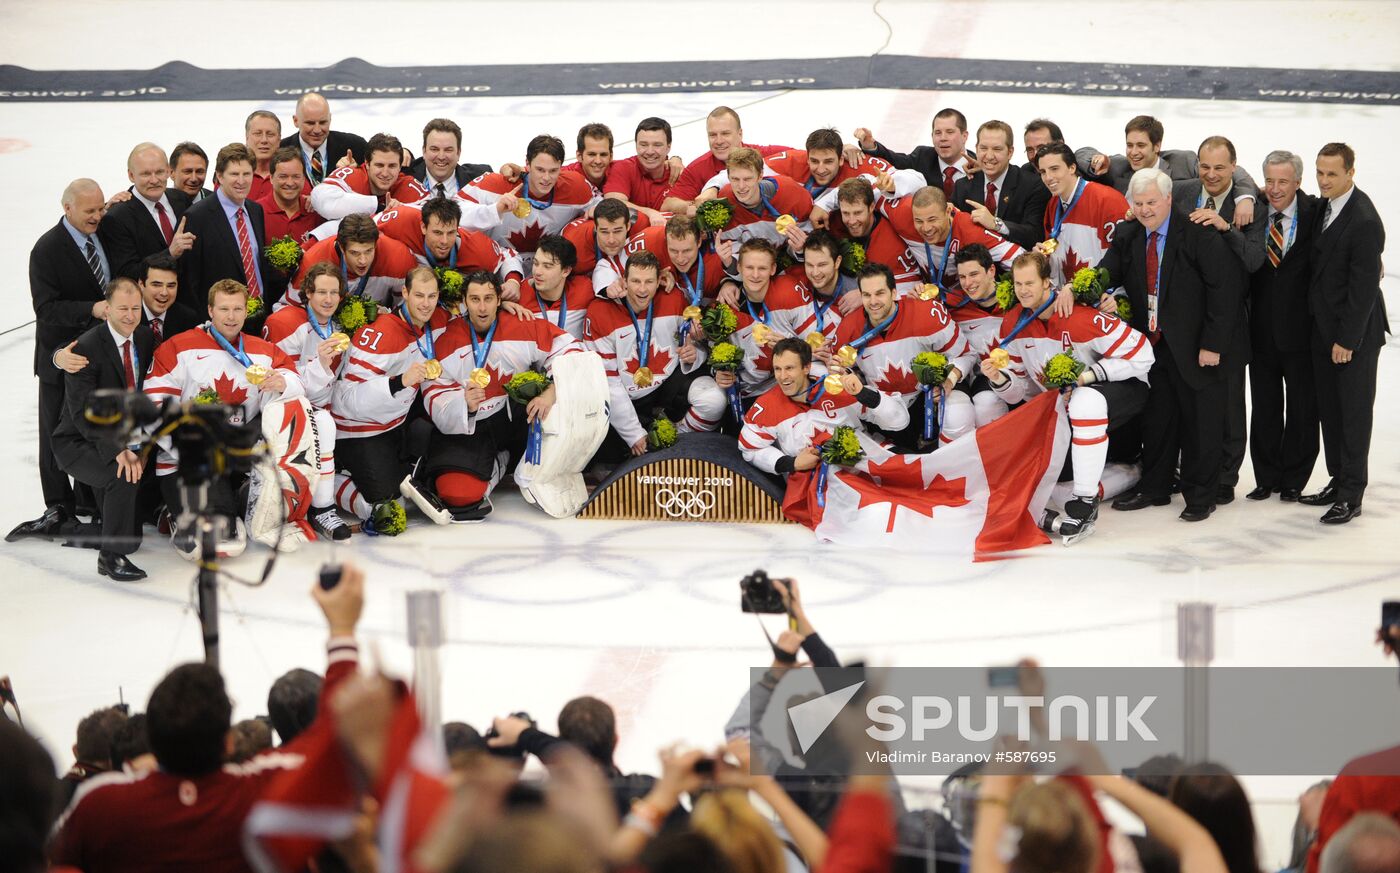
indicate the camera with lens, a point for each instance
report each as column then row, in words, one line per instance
column 209, row 437
column 757, row 594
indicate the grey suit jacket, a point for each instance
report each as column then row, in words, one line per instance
column 1176, row 163
column 1247, row 243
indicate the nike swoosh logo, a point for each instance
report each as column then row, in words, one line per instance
column 200, row 357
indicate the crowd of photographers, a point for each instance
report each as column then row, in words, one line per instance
column 353, row 782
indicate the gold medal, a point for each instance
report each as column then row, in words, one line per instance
column 522, row 208
column 816, row 339
column 342, row 341
column 846, row 356
column 691, row 313
column 432, row 369
column 642, row 378
column 256, row 374
column 928, row 292
column 833, row 384
column 762, row 334
column 479, row 377
column 1049, row 246
column 782, row 223
column 1000, row 358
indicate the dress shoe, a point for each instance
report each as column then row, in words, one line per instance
column 1224, row 494
column 118, row 567
column 1197, row 513
column 46, row 526
column 1130, row 502
column 1341, row 512
column 1263, row 492
column 1325, row 497
column 1290, row 495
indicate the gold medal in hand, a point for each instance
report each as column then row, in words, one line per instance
column 522, row 208
column 479, row 377
column 432, row 369
column 642, row 378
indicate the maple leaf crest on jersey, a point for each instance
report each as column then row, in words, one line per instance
column 896, row 379
column 229, row 394
column 657, row 360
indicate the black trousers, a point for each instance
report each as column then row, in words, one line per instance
column 671, row 399
column 58, row 491
column 1236, row 434
column 1283, row 421
column 1346, row 395
column 475, row 453
column 376, row 464
column 1185, row 422
column 116, row 497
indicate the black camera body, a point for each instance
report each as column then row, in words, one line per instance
column 208, row 439
column 757, row 594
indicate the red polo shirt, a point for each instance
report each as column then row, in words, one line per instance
column 626, row 177
column 278, row 224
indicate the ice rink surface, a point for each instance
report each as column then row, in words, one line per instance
column 646, row 616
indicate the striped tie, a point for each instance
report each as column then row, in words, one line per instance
column 95, row 264
column 1327, row 215
column 318, row 169
column 1274, row 246
column 250, row 267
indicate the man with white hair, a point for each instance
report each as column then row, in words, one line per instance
column 150, row 220
column 68, row 270
column 1177, row 276
column 321, row 148
column 1370, row 843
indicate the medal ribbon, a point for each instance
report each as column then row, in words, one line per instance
column 875, row 331
column 815, row 391
column 525, row 192
column 820, row 311
column 359, row 290
column 432, row 261
column 563, row 305
column 426, row 352
column 316, row 325
column 1062, row 211
column 1025, row 320
column 931, row 409
column 695, row 292
column 481, row 352
column 237, row 353
column 765, row 206
column 754, row 315
column 643, row 338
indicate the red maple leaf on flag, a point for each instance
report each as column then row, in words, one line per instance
column 1073, row 263
column 230, row 395
column 899, row 482
column 897, row 380
column 527, row 239
column 657, row 361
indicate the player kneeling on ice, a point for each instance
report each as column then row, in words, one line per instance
column 1098, row 357
column 486, row 410
column 218, row 363
column 780, row 428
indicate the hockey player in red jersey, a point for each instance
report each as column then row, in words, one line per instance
column 376, row 400
column 781, row 428
column 1080, row 217
column 1112, row 388
column 600, row 244
column 769, row 307
column 760, row 202
column 862, row 223
column 371, row 264
column 244, row 371
column 516, row 215
column 688, row 263
column 374, row 187
column 650, row 372
column 885, row 339
column 311, row 336
column 833, row 293
column 432, row 234
column 477, row 427
column 821, row 166
column 554, row 292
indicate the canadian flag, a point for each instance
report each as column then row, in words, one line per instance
column 976, row 497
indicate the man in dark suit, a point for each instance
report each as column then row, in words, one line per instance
column 68, row 268
column 1283, row 441
column 149, row 222
column 1349, row 327
column 943, row 164
column 438, row 170
column 188, row 167
column 1178, row 276
column 999, row 196
column 1210, row 198
column 228, row 235
column 1038, row 132
column 118, row 352
column 324, row 150
column 1143, row 146
column 160, row 288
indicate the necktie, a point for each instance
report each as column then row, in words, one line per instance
column 1274, row 246
column 948, row 183
column 991, row 203
column 250, row 267
column 1326, row 216
column 126, row 363
column 95, row 263
column 166, row 230
column 1210, row 204
column 439, row 190
column 157, row 330
column 1152, row 284
column 318, row 169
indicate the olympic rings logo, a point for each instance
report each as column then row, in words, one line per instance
column 684, row 503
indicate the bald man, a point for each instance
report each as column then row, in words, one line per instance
column 322, row 149
column 150, row 221
column 68, row 269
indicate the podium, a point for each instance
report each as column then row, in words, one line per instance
column 700, row 478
